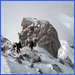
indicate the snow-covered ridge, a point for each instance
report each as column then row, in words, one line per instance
column 47, row 65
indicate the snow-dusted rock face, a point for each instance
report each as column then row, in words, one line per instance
column 43, row 31
column 5, row 43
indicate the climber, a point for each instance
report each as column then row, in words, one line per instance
column 31, row 44
column 35, row 40
column 18, row 45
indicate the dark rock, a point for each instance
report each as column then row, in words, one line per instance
column 21, row 57
column 3, row 49
column 18, row 60
column 68, row 60
column 26, row 56
column 39, row 59
column 45, row 33
column 40, row 71
column 61, row 61
column 57, row 68
column 72, row 65
column 32, row 65
column 36, row 59
column 71, row 45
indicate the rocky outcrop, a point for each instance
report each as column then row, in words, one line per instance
column 45, row 34
column 5, row 43
column 57, row 68
column 72, row 46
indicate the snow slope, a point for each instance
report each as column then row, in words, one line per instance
column 65, row 50
column 49, row 64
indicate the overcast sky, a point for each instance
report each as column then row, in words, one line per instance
column 13, row 13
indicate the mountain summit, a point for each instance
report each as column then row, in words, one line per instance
column 46, row 34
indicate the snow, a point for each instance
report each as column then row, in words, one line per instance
column 11, row 66
column 65, row 51
column 4, row 67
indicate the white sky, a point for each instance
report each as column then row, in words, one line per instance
column 13, row 13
